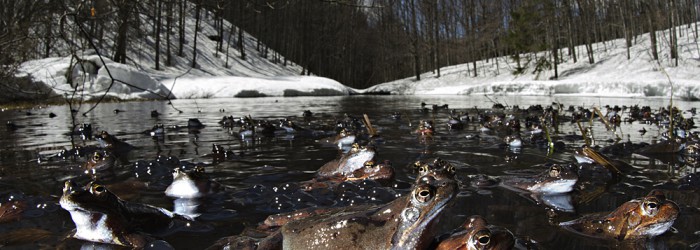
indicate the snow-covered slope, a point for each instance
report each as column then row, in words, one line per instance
column 611, row 75
column 139, row 79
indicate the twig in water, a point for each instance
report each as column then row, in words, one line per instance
column 370, row 130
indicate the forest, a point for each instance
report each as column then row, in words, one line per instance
column 359, row 43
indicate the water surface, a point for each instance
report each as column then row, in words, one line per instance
column 27, row 169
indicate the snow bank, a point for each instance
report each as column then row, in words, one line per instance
column 612, row 74
column 234, row 86
column 90, row 77
column 685, row 90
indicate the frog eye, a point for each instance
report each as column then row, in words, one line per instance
column 97, row 189
column 199, row 169
column 96, row 156
column 424, row 194
column 369, row 163
column 417, row 164
column 651, row 206
column 483, row 237
column 451, row 169
column 424, row 169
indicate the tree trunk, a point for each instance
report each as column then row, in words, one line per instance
column 674, row 35
column 571, row 33
column 47, row 38
column 652, row 32
column 416, row 38
column 228, row 43
column 437, row 38
column 123, row 13
column 169, row 27
column 183, row 5
column 159, row 5
column 240, row 43
column 625, row 31
column 197, row 18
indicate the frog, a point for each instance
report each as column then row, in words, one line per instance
column 380, row 172
column 431, row 167
column 99, row 161
column 641, row 218
column 348, row 162
column 220, row 154
column 102, row 217
column 476, row 233
column 407, row 222
column 84, row 131
column 191, row 184
column 111, row 143
column 344, row 139
column 425, row 129
column 555, row 180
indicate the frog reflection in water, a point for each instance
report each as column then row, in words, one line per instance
column 102, row 217
column 476, row 233
column 405, row 223
column 648, row 216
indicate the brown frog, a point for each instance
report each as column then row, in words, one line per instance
column 475, row 234
column 640, row 218
column 100, row 216
column 555, row 180
column 379, row 172
column 100, row 160
column 348, row 162
column 405, row 223
column 111, row 143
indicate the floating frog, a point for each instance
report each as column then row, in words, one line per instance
column 381, row 172
column 555, row 180
column 111, row 143
column 640, row 218
column 348, row 163
column 100, row 160
column 191, row 184
column 475, row 234
column 100, row 216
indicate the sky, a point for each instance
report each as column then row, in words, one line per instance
column 612, row 74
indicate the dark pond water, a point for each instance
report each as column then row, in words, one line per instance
column 283, row 159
